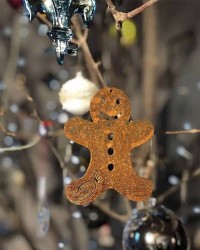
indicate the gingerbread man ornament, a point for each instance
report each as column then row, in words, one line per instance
column 110, row 138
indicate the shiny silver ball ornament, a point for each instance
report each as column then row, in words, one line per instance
column 157, row 228
column 60, row 12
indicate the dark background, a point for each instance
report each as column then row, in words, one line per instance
column 159, row 71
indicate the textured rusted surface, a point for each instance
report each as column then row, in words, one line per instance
column 110, row 138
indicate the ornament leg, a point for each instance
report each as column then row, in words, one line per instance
column 136, row 188
column 84, row 190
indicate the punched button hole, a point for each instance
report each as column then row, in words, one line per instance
column 110, row 167
column 110, row 151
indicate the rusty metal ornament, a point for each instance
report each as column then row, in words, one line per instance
column 110, row 138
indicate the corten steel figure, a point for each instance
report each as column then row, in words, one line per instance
column 110, row 138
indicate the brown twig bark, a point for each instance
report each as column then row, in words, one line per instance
column 92, row 66
column 150, row 62
column 44, row 20
column 122, row 16
column 173, row 189
column 106, row 209
column 30, row 144
column 10, row 72
column 177, row 132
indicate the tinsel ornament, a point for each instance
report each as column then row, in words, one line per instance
column 15, row 3
column 60, row 12
column 156, row 228
column 76, row 94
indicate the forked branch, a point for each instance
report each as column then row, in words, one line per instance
column 122, row 16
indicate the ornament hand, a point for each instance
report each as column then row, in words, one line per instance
column 137, row 188
column 79, row 131
column 140, row 132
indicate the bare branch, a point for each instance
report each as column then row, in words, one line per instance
column 44, row 20
column 92, row 66
column 106, row 209
column 32, row 143
column 191, row 131
column 10, row 72
column 122, row 16
column 173, row 189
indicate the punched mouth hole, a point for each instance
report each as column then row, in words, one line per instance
column 118, row 116
column 118, row 101
column 110, row 136
column 110, row 151
column 107, row 117
column 110, row 167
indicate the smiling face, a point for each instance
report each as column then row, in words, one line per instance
column 110, row 104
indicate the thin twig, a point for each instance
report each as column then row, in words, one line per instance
column 106, row 209
column 92, row 66
column 173, row 189
column 32, row 143
column 128, row 207
column 62, row 162
column 191, row 131
column 150, row 62
column 184, row 187
column 10, row 72
column 122, row 16
column 57, row 155
column 44, row 20
column 6, row 132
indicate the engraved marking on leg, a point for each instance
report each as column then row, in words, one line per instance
column 86, row 190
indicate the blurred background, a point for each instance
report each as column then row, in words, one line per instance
column 155, row 60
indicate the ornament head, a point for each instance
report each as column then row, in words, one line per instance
column 110, row 104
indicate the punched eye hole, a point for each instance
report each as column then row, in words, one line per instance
column 110, row 151
column 110, row 167
column 110, row 90
column 110, row 136
column 118, row 101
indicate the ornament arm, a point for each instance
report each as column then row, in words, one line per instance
column 140, row 132
column 78, row 130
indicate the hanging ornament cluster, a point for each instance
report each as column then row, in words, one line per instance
column 110, row 138
column 156, row 228
column 76, row 94
column 60, row 12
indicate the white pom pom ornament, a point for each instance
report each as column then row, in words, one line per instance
column 76, row 94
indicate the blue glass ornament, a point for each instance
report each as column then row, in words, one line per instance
column 60, row 12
